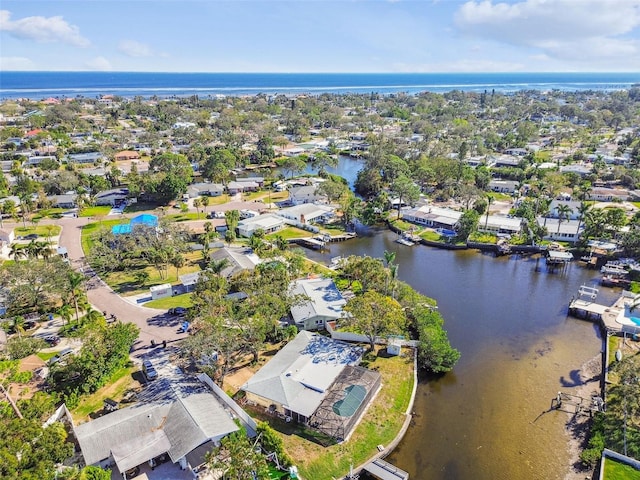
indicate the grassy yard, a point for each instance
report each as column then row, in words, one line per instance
column 124, row 283
column 183, row 217
column 264, row 196
column 92, row 228
column 44, row 356
column 290, row 232
column 614, row 470
column 121, row 381
column 177, row 301
column 97, row 211
column 431, row 236
column 40, row 230
column 219, row 200
column 49, row 213
column 379, row 426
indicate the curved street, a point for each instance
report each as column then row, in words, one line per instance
column 154, row 324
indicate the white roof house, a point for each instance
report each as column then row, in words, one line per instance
column 567, row 232
column 325, row 303
column 269, row 223
column 499, row 224
column 297, row 379
column 306, row 213
column 434, row 217
column 306, row 194
column 237, row 260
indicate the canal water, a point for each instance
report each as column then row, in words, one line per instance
column 508, row 318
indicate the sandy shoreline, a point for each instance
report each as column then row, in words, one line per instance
column 577, row 426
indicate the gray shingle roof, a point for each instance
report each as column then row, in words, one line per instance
column 299, row 375
column 325, row 299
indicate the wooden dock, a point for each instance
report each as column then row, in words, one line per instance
column 385, row 471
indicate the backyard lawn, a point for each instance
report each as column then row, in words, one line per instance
column 97, row 211
column 614, row 470
column 290, row 232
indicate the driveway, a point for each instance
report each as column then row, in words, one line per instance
column 154, row 324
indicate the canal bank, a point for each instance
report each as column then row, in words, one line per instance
column 519, row 348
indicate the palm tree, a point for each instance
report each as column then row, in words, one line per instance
column 18, row 325
column 197, row 203
column 490, row 200
column 17, row 251
column 564, row 211
column 32, row 249
column 280, row 242
column 65, row 312
column 583, row 209
column 389, row 257
column 44, row 250
column 178, row 261
column 204, row 201
column 75, row 282
column 217, row 266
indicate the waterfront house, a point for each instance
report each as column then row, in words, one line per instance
column 268, row 223
column 500, row 224
column 567, row 232
column 315, row 380
column 240, row 187
column 574, row 205
column 433, row 217
column 323, row 303
column 306, row 213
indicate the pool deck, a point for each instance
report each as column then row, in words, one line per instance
column 610, row 317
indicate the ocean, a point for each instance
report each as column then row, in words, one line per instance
column 40, row 85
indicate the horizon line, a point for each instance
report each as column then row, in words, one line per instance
column 334, row 73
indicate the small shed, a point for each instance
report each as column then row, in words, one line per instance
column 161, row 291
column 394, row 345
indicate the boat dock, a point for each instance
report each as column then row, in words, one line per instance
column 312, row 243
column 607, row 316
column 385, row 471
column 558, row 259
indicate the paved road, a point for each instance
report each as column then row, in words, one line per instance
column 154, row 324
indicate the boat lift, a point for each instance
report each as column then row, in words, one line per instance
column 589, row 292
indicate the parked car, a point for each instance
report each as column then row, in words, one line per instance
column 60, row 356
column 29, row 324
column 149, row 370
column 177, row 311
column 31, row 236
column 52, row 340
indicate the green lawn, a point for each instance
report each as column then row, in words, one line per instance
column 614, row 470
column 219, row 200
column 183, row 217
column 97, row 211
column 92, row 228
column 40, row 230
column 49, row 213
column 44, row 356
column 177, row 301
column 291, row 232
column 116, row 386
column 431, row 236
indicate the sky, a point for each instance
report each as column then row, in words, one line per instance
column 308, row 36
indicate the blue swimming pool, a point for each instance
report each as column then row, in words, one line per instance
column 635, row 320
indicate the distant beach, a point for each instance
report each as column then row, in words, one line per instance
column 40, row 85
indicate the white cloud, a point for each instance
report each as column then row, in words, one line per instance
column 132, row 48
column 16, row 63
column 563, row 29
column 99, row 63
column 42, row 29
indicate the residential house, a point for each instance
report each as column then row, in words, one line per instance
column 258, row 180
column 516, row 152
column 268, row 223
column 500, row 224
column 239, row 187
column 310, row 379
column 38, row 159
column 306, row 213
column 237, row 259
column 608, row 194
column 433, row 217
column 88, row 157
column 176, row 416
column 504, row 186
column 324, row 303
column 6, row 239
column 126, row 155
column 582, row 170
column 306, row 194
column 205, row 188
column 505, row 160
column 565, row 232
column 69, row 200
column 113, row 197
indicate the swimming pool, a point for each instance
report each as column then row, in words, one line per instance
column 635, row 320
